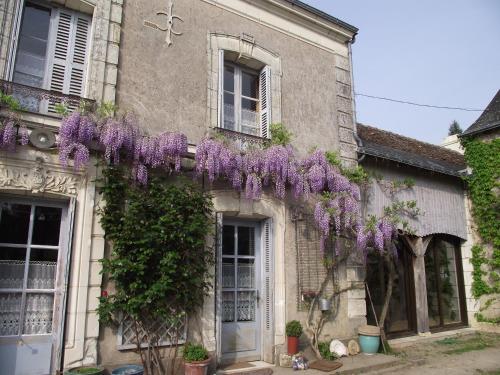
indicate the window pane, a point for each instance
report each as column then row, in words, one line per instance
column 228, row 273
column 29, row 68
column 38, row 316
column 249, row 85
column 246, row 306
column 46, row 226
column 249, row 117
column 229, row 78
column 12, row 261
column 246, row 273
column 42, row 269
column 450, row 303
column 10, row 313
column 14, row 223
column 246, row 241
column 227, row 306
column 36, row 20
column 228, row 240
column 229, row 111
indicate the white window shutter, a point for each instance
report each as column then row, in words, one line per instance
column 218, row 280
column 268, row 288
column 69, row 53
column 265, row 101
column 220, row 96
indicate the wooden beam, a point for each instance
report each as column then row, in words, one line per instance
column 419, row 245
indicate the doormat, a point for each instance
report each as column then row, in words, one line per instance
column 237, row 366
column 324, row 365
column 262, row 371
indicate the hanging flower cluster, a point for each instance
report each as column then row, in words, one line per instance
column 119, row 138
column 9, row 133
column 378, row 233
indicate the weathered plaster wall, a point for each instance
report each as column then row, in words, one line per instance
column 167, row 86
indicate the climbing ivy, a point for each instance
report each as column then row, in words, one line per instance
column 484, row 184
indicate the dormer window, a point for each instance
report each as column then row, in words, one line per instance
column 244, row 96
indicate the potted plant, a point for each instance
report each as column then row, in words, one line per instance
column 293, row 332
column 85, row 370
column 196, row 359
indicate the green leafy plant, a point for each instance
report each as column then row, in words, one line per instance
column 12, row 103
column 159, row 263
column 293, row 329
column 280, row 135
column 483, row 186
column 194, row 352
column 324, row 349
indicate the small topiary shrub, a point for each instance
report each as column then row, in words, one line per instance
column 294, row 329
column 194, row 352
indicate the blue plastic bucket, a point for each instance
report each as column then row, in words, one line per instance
column 369, row 344
column 128, row 370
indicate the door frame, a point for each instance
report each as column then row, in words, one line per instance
column 62, row 272
column 462, row 305
column 257, row 224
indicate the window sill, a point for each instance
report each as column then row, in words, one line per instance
column 242, row 139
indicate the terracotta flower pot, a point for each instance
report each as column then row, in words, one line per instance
column 292, row 345
column 196, row 367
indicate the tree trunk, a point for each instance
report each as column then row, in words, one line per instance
column 388, row 294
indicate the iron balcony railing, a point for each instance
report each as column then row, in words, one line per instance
column 37, row 100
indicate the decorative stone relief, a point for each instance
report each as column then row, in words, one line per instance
column 37, row 180
column 169, row 28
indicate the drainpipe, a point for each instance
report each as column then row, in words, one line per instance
column 359, row 142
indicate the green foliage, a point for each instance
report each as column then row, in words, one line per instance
column 194, row 352
column 481, row 318
column 358, row 175
column 159, row 261
column 324, row 350
column 479, row 286
column 280, row 135
column 62, row 108
column 454, row 128
column 12, row 103
column 483, row 185
column 106, row 109
column 293, row 329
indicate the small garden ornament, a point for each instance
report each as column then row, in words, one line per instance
column 293, row 332
column 196, row 359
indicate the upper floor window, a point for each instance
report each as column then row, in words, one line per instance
column 52, row 48
column 244, row 97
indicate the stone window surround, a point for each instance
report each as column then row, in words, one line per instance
column 240, row 44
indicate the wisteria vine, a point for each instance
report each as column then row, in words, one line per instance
column 337, row 210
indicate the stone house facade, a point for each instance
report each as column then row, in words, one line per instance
column 197, row 66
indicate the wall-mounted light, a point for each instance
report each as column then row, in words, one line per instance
column 42, row 138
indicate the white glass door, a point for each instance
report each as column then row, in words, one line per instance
column 30, row 256
column 240, row 291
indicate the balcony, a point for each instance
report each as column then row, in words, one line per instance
column 39, row 101
column 242, row 140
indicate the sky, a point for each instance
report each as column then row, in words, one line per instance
column 438, row 52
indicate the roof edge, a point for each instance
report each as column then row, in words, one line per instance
column 323, row 15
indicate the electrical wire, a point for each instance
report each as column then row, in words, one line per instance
column 419, row 104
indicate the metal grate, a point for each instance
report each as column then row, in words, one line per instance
column 165, row 331
column 310, row 269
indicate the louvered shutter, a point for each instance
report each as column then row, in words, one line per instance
column 220, row 101
column 265, row 101
column 268, row 289
column 218, row 278
column 70, row 48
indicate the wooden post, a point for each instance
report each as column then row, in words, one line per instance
column 419, row 246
